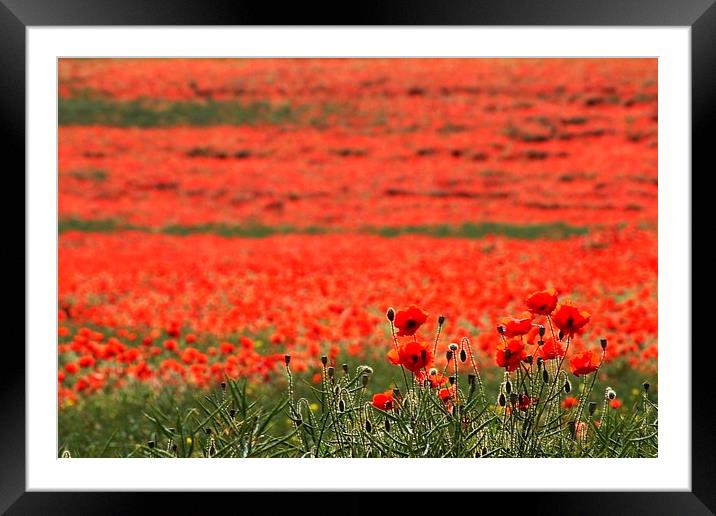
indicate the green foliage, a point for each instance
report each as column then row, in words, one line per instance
column 153, row 113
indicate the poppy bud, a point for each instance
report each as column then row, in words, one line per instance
column 341, row 405
column 567, row 386
column 223, row 386
column 529, row 359
column 463, row 355
column 452, row 380
column 390, row 314
column 287, row 359
column 368, row 426
column 603, row 343
column 364, row 380
column 541, row 330
column 331, row 372
column 545, row 376
column 441, row 320
column 646, row 386
column 508, row 387
column 324, row 360
column 345, row 368
column 502, row 400
column 150, row 444
column 448, row 355
column 387, row 425
column 471, row 379
column 592, row 407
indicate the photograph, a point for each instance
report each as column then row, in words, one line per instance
column 384, row 257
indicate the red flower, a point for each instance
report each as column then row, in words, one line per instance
column 511, row 354
column 542, row 302
column 383, row 400
column 436, row 380
column 71, row 367
column 447, row 394
column 615, row 403
column 414, row 356
column 516, row 326
column 408, row 320
column 524, row 402
column 550, row 349
column 584, row 363
column 569, row 402
column 570, row 319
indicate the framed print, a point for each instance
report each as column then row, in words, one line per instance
column 444, row 250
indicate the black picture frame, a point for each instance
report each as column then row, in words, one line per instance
column 17, row 15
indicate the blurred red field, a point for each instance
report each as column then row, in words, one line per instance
column 376, row 143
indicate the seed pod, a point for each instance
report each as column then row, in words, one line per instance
column 463, row 355
column 390, row 314
column 341, row 406
column 368, row 426
column 567, row 386
column 603, row 343
column 453, row 347
column 324, row 360
column 529, row 359
column 508, row 387
column 545, row 375
column 387, row 425
column 646, row 386
column 448, row 355
column 287, row 359
column 433, row 371
column 592, row 407
column 441, row 320
column 541, row 330
column 502, row 400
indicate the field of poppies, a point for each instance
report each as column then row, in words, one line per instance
column 234, row 232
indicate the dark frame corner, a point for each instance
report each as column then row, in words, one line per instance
column 17, row 15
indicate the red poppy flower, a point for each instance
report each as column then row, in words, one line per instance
column 408, row 320
column 414, row 356
column 71, row 367
column 511, row 354
column 542, row 302
column 615, row 403
column 524, row 402
column 436, row 380
column 584, row 363
column 550, row 350
column 570, row 319
column 383, row 400
column 516, row 326
column 569, row 402
column 447, row 394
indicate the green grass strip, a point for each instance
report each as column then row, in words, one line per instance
column 154, row 113
column 553, row 231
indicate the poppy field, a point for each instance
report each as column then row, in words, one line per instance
column 357, row 258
